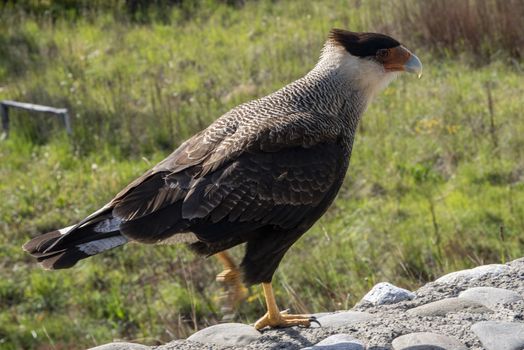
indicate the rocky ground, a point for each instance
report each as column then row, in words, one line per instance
column 480, row 308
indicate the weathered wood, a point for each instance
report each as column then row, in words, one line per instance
column 67, row 123
column 5, row 121
column 5, row 104
column 34, row 107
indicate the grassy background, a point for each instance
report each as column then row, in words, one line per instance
column 436, row 181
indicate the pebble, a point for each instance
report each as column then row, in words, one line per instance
column 229, row 334
column 490, row 296
column 499, row 335
column 338, row 342
column 427, row 341
column 472, row 274
column 343, row 318
column 445, row 306
column 121, row 346
column 386, row 293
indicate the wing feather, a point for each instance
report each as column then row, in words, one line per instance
column 278, row 189
column 234, row 178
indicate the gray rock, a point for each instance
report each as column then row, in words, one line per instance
column 517, row 262
column 338, row 342
column 499, row 335
column 445, row 306
column 343, row 318
column 472, row 274
column 121, row 346
column 389, row 321
column 229, row 334
column 490, row 296
column 386, row 293
column 427, row 341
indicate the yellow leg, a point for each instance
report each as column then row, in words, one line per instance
column 275, row 318
column 231, row 277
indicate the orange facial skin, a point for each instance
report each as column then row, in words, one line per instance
column 394, row 59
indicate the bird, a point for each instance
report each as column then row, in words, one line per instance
column 260, row 175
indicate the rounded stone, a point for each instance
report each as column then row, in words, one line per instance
column 490, row 296
column 338, row 342
column 386, row 293
column 321, row 314
column 427, row 341
column 472, row 274
column 343, row 318
column 121, row 346
column 228, row 334
column 517, row 262
column 445, row 306
column 500, row 335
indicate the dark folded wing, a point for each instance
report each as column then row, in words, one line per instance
column 278, row 189
column 227, row 177
column 257, row 189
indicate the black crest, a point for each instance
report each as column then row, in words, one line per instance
column 362, row 44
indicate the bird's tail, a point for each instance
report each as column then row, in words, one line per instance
column 63, row 248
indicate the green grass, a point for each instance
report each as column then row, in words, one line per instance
column 430, row 189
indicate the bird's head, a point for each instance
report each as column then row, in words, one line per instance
column 368, row 60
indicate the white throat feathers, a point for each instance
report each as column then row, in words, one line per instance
column 363, row 74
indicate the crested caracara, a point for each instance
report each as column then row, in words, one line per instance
column 262, row 174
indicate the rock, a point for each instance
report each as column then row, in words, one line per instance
column 517, row 262
column 427, row 341
column 338, row 342
column 379, row 325
column 343, row 318
column 472, row 274
column 445, row 306
column 229, row 334
column 321, row 314
column 386, row 293
column 490, row 296
column 499, row 335
column 121, row 346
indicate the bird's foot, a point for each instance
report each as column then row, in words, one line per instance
column 283, row 319
column 235, row 289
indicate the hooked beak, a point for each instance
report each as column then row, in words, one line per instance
column 413, row 65
column 401, row 59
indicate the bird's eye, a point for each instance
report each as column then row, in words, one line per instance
column 382, row 53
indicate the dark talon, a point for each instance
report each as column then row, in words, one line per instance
column 313, row 319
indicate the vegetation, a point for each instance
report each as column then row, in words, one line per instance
column 436, row 181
